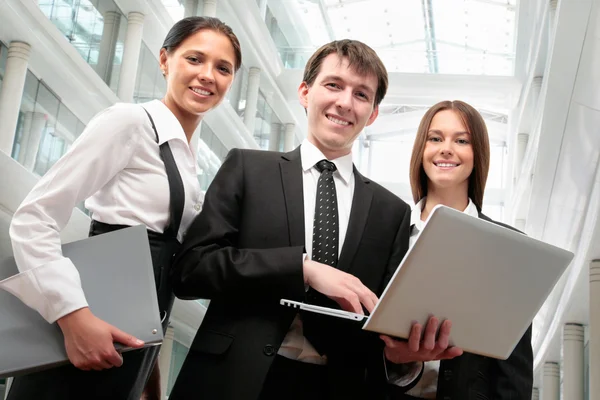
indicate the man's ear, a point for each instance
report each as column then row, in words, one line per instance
column 303, row 94
column 373, row 116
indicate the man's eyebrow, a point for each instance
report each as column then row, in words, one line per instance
column 338, row 79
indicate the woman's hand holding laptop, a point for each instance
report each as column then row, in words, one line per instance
column 426, row 349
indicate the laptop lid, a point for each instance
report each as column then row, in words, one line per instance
column 490, row 281
column 118, row 281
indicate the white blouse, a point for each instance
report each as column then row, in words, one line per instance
column 115, row 164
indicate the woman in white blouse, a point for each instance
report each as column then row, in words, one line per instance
column 449, row 165
column 134, row 165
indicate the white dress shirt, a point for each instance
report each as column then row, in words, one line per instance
column 426, row 388
column 115, row 164
column 295, row 346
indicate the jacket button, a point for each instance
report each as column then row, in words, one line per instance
column 269, row 350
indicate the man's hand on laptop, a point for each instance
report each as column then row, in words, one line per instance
column 427, row 349
column 89, row 341
column 345, row 289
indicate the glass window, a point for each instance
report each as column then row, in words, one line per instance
column 95, row 28
column 45, row 128
column 211, row 153
column 265, row 121
column 437, row 36
column 150, row 84
column 3, row 57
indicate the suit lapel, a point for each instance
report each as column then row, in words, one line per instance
column 361, row 203
column 291, row 180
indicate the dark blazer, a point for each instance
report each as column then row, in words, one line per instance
column 244, row 252
column 475, row 377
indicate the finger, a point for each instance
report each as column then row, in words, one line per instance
column 99, row 365
column 414, row 339
column 124, row 338
column 450, row 353
column 430, row 331
column 368, row 299
column 114, row 358
column 389, row 342
column 444, row 335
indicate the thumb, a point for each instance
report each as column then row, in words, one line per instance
column 387, row 340
column 125, row 338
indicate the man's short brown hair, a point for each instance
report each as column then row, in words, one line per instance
column 361, row 58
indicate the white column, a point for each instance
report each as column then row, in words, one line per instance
column 190, row 8
column 573, row 363
column 522, row 139
column 289, row 137
column 274, row 136
column 536, row 87
column 535, row 394
column 594, row 330
column 108, row 42
column 12, row 92
column 551, row 381
column 251, row 97
column 520, row 224
column 30, row 148
column 262, row 6
column 210, row 8
column 552, row 20
column 8, row 383
column 131, row 56
column 164, row 360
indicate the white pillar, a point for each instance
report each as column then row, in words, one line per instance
column 289, row 137
column 520, row 224
column 34, row 136
column 12, row 92
column 210, row 8
column 536, row 87
column 190, row 8
column 262, row 6
column 251, row 97
column 594, row 330
column 573, row 363
column 551, row 384
column 274, row 136
column 522, row 139
column 164, row 360
column 552, row 20
column 535, row 394
column 108, row 43
column 131, row 56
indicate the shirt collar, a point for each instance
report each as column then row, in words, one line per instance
column 415, row 215
column 167, row 124
column 310, row 155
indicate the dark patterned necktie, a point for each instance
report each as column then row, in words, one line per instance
column 325, row 224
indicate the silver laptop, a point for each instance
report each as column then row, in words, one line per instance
column 488, row 280
column 118, row 281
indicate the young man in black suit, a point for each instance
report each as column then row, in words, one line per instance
column 306, row 226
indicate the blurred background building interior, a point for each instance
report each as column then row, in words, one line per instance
column 531, row 67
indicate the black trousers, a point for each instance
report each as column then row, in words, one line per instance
column 123, row 383
column 294, row 380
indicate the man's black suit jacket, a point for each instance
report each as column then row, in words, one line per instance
column 244, row 252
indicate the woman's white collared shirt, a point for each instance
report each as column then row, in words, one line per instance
column 426, row 388
column 115, row 164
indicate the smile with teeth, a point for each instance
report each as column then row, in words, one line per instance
column 201, row 91
column 446, row 165
column 338, row 121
